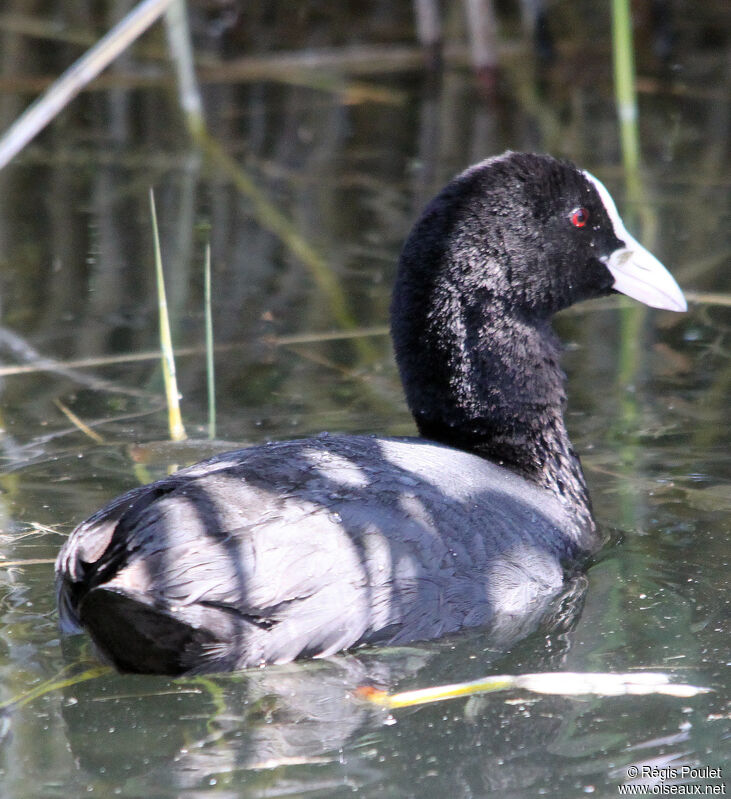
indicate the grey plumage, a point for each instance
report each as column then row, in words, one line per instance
column 361, row 539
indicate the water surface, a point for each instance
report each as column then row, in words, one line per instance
column 349, row 160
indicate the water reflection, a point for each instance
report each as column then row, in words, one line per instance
column 301, row 714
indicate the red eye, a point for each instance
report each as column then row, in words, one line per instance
column 579, row 217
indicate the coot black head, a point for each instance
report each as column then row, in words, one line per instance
column 503, row 247
column 307, row 547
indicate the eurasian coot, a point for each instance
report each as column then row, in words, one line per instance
column 303, row 548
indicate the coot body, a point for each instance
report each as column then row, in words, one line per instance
column 306, row 547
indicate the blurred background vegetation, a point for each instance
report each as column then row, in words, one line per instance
column 328, row 126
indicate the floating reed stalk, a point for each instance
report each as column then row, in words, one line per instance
column 557, row 683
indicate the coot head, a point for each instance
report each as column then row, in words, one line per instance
column 532, row 234
column 506, row 244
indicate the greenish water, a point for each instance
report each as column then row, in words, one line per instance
column 350, row 159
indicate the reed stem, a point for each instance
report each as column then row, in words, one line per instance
column 175, row 420
column 210, row 364
column 625, row 91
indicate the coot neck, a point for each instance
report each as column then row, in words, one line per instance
column 485, row 378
